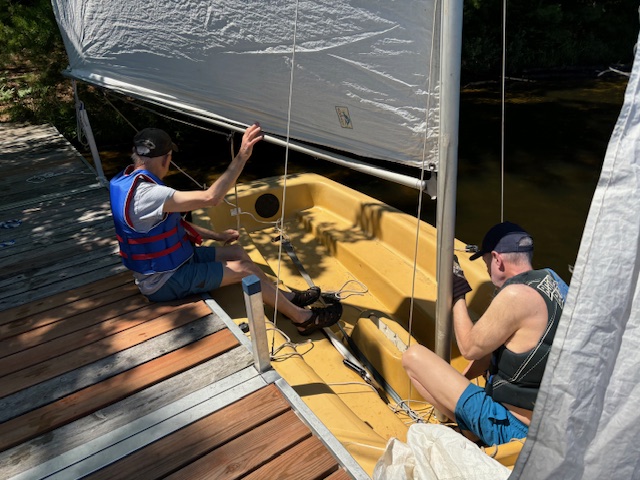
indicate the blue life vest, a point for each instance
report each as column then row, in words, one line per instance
column 165, row 247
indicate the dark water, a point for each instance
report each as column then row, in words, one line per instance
column 556, row 134
column 556, row 138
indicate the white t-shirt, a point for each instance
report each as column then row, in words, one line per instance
column 145, row 213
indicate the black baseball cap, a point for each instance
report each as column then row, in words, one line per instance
column 153, row 142
column 505, row 237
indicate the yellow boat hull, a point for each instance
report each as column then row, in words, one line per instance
column 350, row 243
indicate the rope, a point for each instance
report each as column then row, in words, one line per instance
column 78, row 105
column 235, row 188
column 202, row 186
column 288, row 343
column 415, row 415
column 349, row 293
column 422, row 172
column 286, row 156
column 239, row 212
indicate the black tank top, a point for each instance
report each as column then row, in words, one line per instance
column 514, row 378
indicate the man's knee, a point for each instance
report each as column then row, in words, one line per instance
column 238, row 252
column 248, row 266
column 411, row 357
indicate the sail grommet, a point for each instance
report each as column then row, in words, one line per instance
column 267, row 205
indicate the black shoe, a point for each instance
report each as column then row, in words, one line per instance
column 305, row 297
column 330, row 298
column 321, row 318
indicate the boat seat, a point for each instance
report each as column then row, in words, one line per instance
column 387, row 273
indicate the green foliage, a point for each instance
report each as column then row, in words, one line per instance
column 32, row 87
column 547, row 35
column 32, row 58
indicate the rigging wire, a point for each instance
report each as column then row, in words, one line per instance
column 421, row 194
column 175, row 119
column 159, row 114
column 502, row 103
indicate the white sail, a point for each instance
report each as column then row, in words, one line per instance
column 363, row 80
column 585, row 423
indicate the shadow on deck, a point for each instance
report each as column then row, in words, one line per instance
column 96, row 382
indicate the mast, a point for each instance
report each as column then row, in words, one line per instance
column 450, row 58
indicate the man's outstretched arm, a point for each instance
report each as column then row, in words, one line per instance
column 184, row 201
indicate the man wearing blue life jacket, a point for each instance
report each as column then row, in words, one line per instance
column 157, row 244
column 509, row 343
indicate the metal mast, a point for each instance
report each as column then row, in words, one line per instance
column 451, row 52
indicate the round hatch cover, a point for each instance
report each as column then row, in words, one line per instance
column 267, row 205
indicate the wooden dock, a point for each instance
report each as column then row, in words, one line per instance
column 97, row 382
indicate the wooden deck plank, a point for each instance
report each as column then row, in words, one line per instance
column 27, row 201
column 38, row 166
column 51, row 168
column 106, row 367
column 83, row 205
column 176, row 451
column 242, row 455
column 47, row 237
column 64, row 181
column 339, row 474
column 140, row 412
column 73, row 279
column 30, row 367
column 95, row 288
column 98, row 396
column 54, row 271
column 18, row 160
column 66, row 236
column 308, row 460
column 56, row 210
column 39, row 320
column 44, row 259
column 39, row 212
column 45, row 334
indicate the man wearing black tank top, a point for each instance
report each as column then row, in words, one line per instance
column 509, row 343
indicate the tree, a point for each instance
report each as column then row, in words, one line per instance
column 546, row 34
column 32, row 58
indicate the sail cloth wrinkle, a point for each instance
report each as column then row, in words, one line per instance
column 436, row 452
column 585, row 423
column 363, row 78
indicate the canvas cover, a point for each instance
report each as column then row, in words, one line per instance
column 364, row 75
column 586, row 421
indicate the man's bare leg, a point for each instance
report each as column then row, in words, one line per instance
column 438, row 382
column 238, row 265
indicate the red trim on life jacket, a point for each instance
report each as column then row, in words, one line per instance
column 151, row 256
column 127, row 204
column 155, row 238
column 194, row 236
